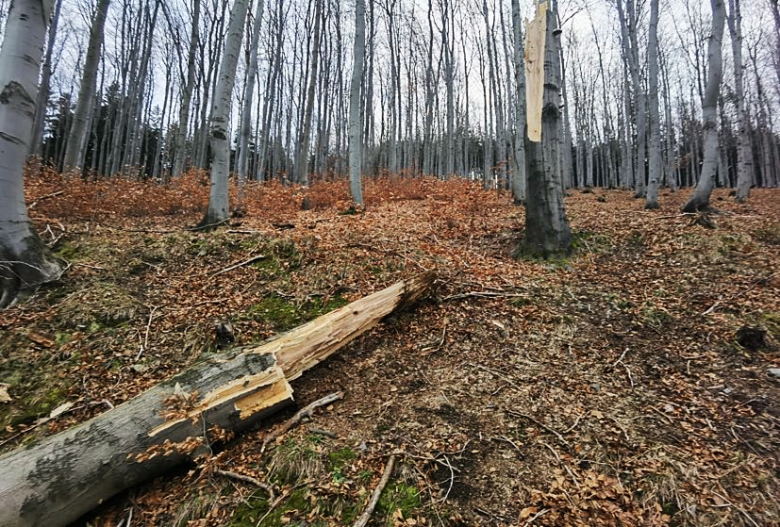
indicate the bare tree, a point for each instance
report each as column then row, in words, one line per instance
column 25, row 262
column 77, row 139
column 219, row 199
column 701, row 196
column 355, row 105
column 744, row 153
column 656, row 160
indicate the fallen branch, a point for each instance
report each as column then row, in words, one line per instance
column 247, row 479
column 242, row 264
column 760, row 281
column 42, row 198
column 551, row 430
column 485, row 294
column 363, row 520
column 300, row 414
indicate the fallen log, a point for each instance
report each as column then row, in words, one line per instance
column 66, row 475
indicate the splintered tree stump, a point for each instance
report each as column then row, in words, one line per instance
column 66, row 475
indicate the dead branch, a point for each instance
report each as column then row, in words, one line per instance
column 363, row 520
column 551, row 430
column 42, row 198
column 247, row 479
column 485, row 294
column 760, row 281
column 303, row 412
column 236, row 266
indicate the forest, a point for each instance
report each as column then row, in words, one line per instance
column 389, row 262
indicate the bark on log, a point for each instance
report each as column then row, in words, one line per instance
column 58, row 480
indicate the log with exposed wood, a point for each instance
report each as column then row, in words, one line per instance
column 64, row 476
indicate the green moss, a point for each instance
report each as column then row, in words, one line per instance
column 398, row 496
column 283, row 315
column 253, row 509
column 71, row 251
column 772, row 323
column 339, row 458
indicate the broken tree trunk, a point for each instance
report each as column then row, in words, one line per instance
column 58, row 480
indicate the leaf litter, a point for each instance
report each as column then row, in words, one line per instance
column 604, row 389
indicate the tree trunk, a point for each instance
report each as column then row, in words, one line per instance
column 42, row 101
column 744, row 154
column 656, row 160
column 77, row 139
column 302, row 159
column 355, row 105
column 53, row 483
column 219, row 199
column 547, row 231
column 701, row 196
column 242, row 166
column 25, row 262
column 519, row 179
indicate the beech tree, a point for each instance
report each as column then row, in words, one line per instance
column 355, row 104
column 219, row 197
column 700, row 200
column 25, row 262
column 654, row 180
column 547, row 231
column 77, row 140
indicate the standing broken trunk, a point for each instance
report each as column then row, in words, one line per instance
column 547, row 230
column 25, row 261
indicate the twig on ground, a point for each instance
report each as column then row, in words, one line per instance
column 564, row 465
column 572, row 427
column 628, row 371
column 247, row 479
column 535, row 516
column 146, row 337
column 507, row 440
column 241, row 264
column 485, row 294
column 551, row 430
column 42, row 198
column 751, row 520
column 621, row 428
column 452, row 480
column 363, row 520
column 760, row 281
column 322, row 432
column 303, row 412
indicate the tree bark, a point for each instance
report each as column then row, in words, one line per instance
column 701, row 196
column 519, row 178
column 25, row 261
column 547, row 230
column 355, row 105
column 656, row 161
column 302, row 159
column 219, row 199
column 744, row 153
column 54, row 483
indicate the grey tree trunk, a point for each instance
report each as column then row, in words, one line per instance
column 744, row 154
column 519, row 179
column 179, row 152
column 219, row 198
column 355, row 106
column 547, row 230
column 700, row 201
column 242, row 166
column 302, row 159
column 656, row 160
column 77, row 139
column 42, row 101
column 25, row 262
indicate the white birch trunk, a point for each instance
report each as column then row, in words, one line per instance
column 355, row 105
column 219, row 198
column 25, row 261
column 701, row 196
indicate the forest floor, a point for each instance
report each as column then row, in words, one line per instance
column 608, row 388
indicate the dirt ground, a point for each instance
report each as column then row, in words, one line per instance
column 613, row 387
